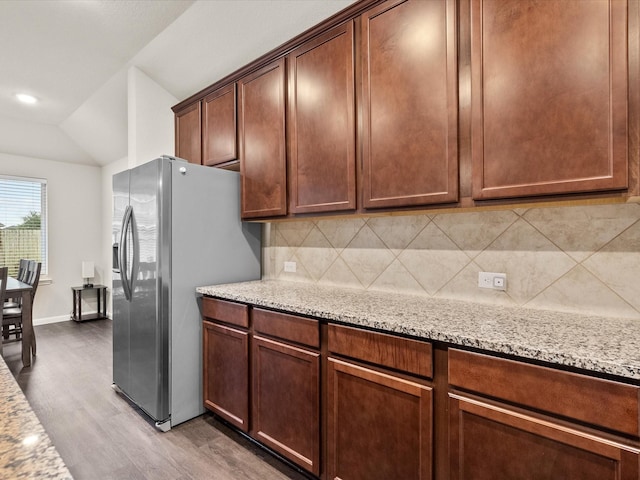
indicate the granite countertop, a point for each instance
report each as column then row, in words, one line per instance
column 25, row 449
column 605, row 345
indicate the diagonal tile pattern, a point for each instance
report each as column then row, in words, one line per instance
column 618, row 264
column 433, row 259
column 530, row 260
column 580, row 231
column 582, row 259
column 367, row 256
column 398, row 232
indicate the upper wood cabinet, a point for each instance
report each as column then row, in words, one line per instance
column 188, row 128
column 409, row 104
column 405, row 104
column 549, row 97
column 321, row 123
column 219, row 133
column 263, row 160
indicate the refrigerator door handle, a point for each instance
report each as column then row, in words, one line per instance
column 122, row 260
column 135, row 253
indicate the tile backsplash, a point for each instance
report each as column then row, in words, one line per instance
column 583, row 259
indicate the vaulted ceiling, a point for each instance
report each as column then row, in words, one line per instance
column 73, row 56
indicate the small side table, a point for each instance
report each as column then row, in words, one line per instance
column 101, row 292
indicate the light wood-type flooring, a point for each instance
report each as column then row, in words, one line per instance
column 101, row 436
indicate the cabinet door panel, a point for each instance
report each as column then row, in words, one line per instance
column 549, row 97
column 378, row 426
column 219, row 134
column 188, row 133
column 404, row 354
column 570, row 395
column 286, row 401
column 489, row 442
column 226, row 373
column 409, row 104
column 214, row 309
column 322, row 123
column 263, row 161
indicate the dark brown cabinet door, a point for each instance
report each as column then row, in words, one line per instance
column 188, row 133
column 549, row 96
column 219, row 134
column 286, row 401
column 226, row 373
column 322, row 123
column 378, row 426
column 409, row 82
column 263, row 161
column 490, row 442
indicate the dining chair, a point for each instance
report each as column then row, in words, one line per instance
column 3, row 285
column 23, row 271
column 12, row 317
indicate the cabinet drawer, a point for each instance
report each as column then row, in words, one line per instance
column 287, row 327
column 599, row 402
column 402, row 354
column 227, row 312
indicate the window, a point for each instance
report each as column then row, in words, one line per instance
column 23, row 221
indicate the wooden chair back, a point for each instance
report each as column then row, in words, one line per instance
column 23, row 270
column 3, row 286
column 33, row 277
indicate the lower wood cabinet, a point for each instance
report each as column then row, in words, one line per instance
column 379, row 426
column 490, row 442
column 347, row 403
column 510, row 419
column 226, row 373
column 277, row 355
column 286, row 401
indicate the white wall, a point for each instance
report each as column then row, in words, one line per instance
column 75, row 228
column 151, row 124
column 106, row 221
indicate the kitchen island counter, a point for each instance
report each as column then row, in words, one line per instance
column 604, row 345
column 26, row 450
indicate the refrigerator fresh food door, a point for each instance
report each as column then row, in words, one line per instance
column 120, row 307
column 149, row 196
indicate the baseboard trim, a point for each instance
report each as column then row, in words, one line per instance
column 47, row 320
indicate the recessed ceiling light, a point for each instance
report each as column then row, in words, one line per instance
column 25, row 98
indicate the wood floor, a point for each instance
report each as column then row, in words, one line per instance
column 101, row 436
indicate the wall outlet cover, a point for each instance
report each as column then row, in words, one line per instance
column 495, row 281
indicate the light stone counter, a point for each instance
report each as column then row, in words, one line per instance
column 25, row 449
column 605, row 345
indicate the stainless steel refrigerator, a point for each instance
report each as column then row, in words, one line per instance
column 176, row 226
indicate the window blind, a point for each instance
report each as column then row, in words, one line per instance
column 23, row 221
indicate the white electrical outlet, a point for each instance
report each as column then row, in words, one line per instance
column 290, row 267
column 495, row 281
